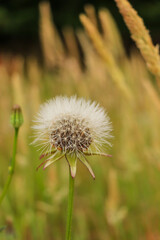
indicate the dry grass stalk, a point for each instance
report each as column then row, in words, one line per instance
column 114, row 213
column 111, row 33
column 91, row 13
column 71, row 43
column 93, row 62
column 106, row 55
column 153, row 96
column 141, row 36
column 51, row 43
column 5, row 105
column 34, row 75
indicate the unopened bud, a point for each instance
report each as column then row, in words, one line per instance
column 16, row 116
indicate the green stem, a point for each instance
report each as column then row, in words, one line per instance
column 11, row 167
column 70, row 207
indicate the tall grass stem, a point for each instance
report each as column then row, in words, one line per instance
column 11, row 167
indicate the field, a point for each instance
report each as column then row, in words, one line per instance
column 124, row 200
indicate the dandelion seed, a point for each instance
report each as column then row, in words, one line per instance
column 72, row 128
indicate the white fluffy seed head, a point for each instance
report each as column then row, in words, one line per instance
column 71, row 125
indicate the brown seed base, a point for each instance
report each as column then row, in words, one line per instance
column 71, row 135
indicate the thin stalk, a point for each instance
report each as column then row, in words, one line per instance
column 70, row 207
column 11, row 167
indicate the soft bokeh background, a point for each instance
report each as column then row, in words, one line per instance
column 41, row 58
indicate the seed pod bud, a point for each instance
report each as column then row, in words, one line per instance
column 16, row 116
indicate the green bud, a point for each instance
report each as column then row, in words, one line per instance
column 16, row 116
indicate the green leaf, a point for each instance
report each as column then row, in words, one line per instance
column 72, row 161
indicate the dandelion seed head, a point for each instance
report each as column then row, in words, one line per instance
column 71, row 125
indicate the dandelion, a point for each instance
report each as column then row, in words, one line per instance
column 74, row 129
column 71, row 128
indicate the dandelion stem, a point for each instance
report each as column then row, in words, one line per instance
column 70, row 207
column 11, row 167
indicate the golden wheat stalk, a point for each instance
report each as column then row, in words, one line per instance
column 104, row 52
column 141, row 36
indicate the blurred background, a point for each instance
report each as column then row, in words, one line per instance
column 19, row 21
column 45, row 51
